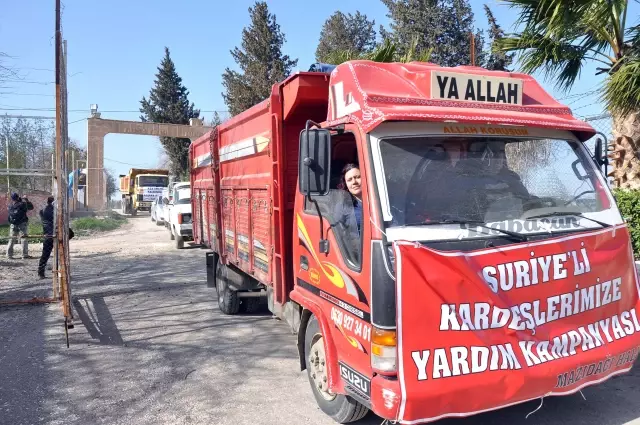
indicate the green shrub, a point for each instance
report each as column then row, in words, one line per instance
column 35, row 228
column 85, row 224
column 629, row 203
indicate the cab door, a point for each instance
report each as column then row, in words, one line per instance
column 338, row 279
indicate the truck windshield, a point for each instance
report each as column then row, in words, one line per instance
column 515, row 184
column 153, row 181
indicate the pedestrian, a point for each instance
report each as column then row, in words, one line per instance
column 46, row 215
column 19, row 224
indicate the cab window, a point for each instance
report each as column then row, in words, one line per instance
column 340, row 207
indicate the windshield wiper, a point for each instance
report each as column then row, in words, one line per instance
column 577, row 213
column 519, row 236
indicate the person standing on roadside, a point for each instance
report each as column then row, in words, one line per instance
column 46, row 215
column 19, row 224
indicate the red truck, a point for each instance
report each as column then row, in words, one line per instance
column 441, row 240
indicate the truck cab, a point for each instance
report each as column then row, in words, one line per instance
column 140, row 188
column 441, row 240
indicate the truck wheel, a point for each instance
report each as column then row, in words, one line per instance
column 228, row 300
column 179, row 242
column 342, row 408
column 159, row 223
column 171, row 233
column 250, row 305
column 134, row 212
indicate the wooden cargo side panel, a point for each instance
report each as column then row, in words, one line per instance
column 243, row 151
column 212, row 219
column 242, row 229
column 196, row 206
column 202, row 181
column 261, row 233
column 228, row 224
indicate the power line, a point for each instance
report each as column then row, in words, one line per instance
column 30, row 82
column 27, row 116
column 27, row 94
column 85, row 110
column 582, row 97
column 124, row 163
column 35, row 69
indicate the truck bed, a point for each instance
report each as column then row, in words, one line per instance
column 244, row 177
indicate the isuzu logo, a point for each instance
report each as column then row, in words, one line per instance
column 360, row 382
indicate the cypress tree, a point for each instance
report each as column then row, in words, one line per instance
column 349, row 32
column 260, row 60
column 169, row 103
column 441, row 25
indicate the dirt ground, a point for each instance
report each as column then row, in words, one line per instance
column 151, row 347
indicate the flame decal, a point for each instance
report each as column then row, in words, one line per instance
column 333, row 273
column 354, row 342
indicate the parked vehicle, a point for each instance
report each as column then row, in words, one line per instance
column 157, row 211
column 178, row 218
column 465, row 264
column 140, row 187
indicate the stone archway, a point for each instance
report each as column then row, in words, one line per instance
column 97, row 128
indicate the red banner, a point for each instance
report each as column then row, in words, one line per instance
column 483, row 330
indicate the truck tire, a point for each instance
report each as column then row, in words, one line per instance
column 134, row 212
column 250, row 305
column 342, row 408
column 171, row 233
column 179, row 242
column 228, row 301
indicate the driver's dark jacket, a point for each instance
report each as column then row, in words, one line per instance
column 46, row 215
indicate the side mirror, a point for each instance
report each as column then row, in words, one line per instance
column 314, row 168
column 598, row 151
column 600, row 156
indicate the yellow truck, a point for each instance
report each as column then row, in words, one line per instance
column 140, row 187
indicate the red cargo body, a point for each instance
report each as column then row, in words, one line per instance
column 247, row 156
column 203, row 192
column 380, row 326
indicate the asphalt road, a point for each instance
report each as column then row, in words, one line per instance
column 151, row 347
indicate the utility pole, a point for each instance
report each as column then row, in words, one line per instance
column 74, row 196
column 473, row 49
column 8, row 181
column 62, row 235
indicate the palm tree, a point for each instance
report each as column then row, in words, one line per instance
column 387, row 51
column 561, row 36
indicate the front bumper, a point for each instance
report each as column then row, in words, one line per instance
column 386, row 393
column 385, row 397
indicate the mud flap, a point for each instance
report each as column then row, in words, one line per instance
column 212, row 262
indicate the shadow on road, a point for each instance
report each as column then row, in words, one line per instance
column 151, row 347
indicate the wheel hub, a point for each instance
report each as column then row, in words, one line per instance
column 318, row 369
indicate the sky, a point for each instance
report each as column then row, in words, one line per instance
column 114, row 48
